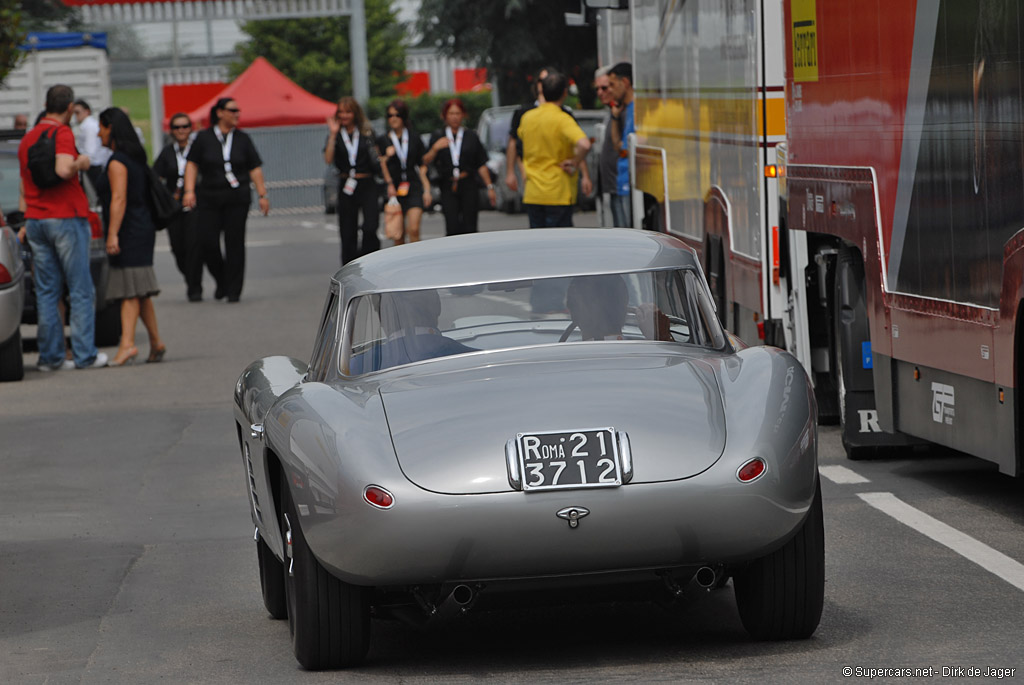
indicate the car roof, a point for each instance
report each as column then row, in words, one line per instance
column 500, row 256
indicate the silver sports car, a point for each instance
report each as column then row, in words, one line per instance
column 527, row 415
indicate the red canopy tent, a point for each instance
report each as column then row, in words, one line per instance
column 267, row 98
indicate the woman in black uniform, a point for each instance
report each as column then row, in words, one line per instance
column 224, row 161
column 404, row 171
column 461, row 160
column 124, row 192
column 351, row 148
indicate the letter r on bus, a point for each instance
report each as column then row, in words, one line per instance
column 869, row 421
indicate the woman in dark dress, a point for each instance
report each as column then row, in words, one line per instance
column 460, row 160
column 131, row 235
column 351, row 148
column 223, row 160
column 405, row 173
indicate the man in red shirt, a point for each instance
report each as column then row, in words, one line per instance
column 57, row 229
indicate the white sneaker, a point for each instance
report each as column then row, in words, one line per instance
column 65, row 365
column 99, row 362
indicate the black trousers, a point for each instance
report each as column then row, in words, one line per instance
column 364, row 200
column 183, row 232
column 227, row 269
column 460, row 207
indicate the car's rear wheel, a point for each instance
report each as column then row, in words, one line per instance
column 780, row 596
column 12, row 365
column 329, row 620
column 271, row 581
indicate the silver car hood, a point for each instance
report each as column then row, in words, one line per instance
column 449, row 429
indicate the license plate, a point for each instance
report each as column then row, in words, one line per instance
column 569, row 459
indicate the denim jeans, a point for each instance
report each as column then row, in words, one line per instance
column 549, row 216
column 622, row 211
column 60, row 253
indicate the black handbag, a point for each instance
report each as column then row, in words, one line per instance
column 163, row 206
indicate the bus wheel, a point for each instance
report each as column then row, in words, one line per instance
column 849, row 289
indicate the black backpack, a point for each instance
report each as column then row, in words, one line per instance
column 42, row 160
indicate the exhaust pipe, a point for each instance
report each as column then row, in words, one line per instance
column 706, row 577
column 456, row 602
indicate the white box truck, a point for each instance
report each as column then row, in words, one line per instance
column 78, row 60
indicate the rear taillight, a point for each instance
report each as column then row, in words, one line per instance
column 378, row 497
column 752, row 470
column 5, row 275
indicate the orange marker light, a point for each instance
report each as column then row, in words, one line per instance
column 771, row 171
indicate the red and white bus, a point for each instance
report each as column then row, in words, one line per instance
column 904, row 177
column 887, row 254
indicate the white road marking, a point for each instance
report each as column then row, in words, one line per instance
column 840, row 475
column 973, row 550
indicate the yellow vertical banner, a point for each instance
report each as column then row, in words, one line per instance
column 805, row 40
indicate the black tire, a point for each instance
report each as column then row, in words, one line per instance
column 271, row 581
column 108, row 325
column 329, row 620
column 780, row 596
column 12, row 364
column 849, row 269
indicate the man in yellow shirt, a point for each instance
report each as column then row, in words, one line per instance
column 554, row 147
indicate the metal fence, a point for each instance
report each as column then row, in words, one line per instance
column 293, row 166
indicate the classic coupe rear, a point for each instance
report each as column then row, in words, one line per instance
column 501, row 415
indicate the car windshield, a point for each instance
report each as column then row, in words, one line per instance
column 397, row 328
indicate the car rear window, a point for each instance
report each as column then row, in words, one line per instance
column 397, row 328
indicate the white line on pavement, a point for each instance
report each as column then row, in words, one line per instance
column 973, row 550
column 840, row 475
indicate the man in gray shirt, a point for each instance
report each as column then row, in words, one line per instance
column 607, row 169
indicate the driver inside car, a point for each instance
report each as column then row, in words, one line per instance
column 409, row 321
column 599, row 305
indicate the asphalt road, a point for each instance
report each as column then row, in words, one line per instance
column 128, row 555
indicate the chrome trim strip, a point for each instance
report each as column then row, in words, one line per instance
column 512, row 460
column 625, row 456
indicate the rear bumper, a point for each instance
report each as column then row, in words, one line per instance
column 432, row 538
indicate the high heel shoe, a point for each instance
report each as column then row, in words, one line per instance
column 130, row 359
column 156, row 355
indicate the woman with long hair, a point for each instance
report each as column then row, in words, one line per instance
column 460, row 159
column 404, row 170
column 130, row 235
column 224, row 161
column 351, row 149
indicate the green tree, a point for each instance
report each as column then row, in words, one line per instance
column 513, row 39
column 315, row 52
column 49, row 15
column 11, row 36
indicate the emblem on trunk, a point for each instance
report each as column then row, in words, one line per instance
column 572, row 515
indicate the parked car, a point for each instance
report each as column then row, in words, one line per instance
column 445, row 446
column 108, row 312
column 12, row 298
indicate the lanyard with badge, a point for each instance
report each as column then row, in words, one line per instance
column 226, row 149
column 182, row 158
column 352, row 145
column 455, row 147
column 402, row 150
